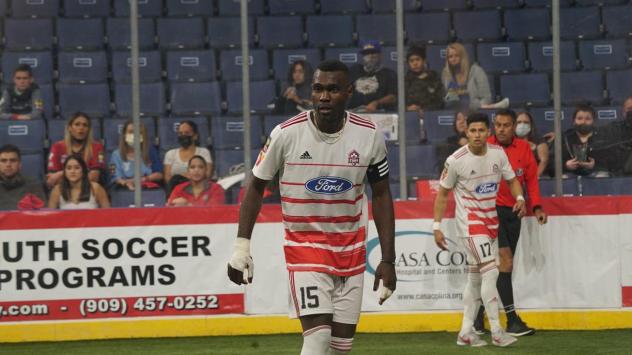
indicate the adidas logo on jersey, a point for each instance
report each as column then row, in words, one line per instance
column 305, row 155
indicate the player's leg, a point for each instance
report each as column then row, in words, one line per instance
column 347, row 301
column 471, row 297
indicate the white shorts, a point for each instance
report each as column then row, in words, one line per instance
column 480, row 249
column 320, row 293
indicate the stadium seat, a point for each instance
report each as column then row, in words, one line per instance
column 527, row 24
column 57, row 129
column 280, row 31
column 33, row 165
column 607, row 114
column 498, row 4
column 152, row 99
column 526, row 89
column 581, row 87
column 609, row 186
column 190, row 8
column 343, row 7
column 228, row 132
column 4, row 8
column 262, row 93
column 93, row 99
column 82, row 67
column 603, row 54
column 86, row 8
column 413, row 128
column 436, row 54
column 377, row 27
column 283, row 58
column 421, row 161
column 569, row 187
column 349, row 56
column 439, row 125
column 547, row 3
column 445, row 5
column 580, row 22
column 428, row 27
column 226, row 31
column 149, row 66
column 27, row 135
column 379, row 6
column 118, row 33
column 227, row 159
column 149, row 198
column 41, row 64
column 168, row 130
column 329, row 31
column 112, row 128
column 271, row 121
column 48, row 97
column 604, row 3
column 81, row 34
column 541, row 56
column 28, row 34
column 619, row 83
column 544, row 118
column 230, row 64
column 195, row 98
column 291, row 7
column 146, row 8
column 392, row 155
column 389, row 58
column 187, row 32
column 35, row 8
column 616, row 20
column 502, row 57
column 233, row 7
column 484, row 25
column 191, row 65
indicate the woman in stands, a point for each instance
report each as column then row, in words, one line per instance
column 176, row 159
column 77, row 140
column 199, row 190
column 525, row 128
column 297, row 91
column 122, row 160
column 75, row 190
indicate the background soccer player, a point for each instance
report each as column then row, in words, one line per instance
column 323, row 157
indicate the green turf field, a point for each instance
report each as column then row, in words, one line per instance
column 544, row 342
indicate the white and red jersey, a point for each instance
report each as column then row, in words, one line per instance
column 475, row 180
column 321, row 179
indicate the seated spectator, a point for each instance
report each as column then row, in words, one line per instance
column 122, row 160
column 466, row 84
column 424, row 90
column 525, row 129
column 199, row 191
column 17, row 192
column 374, row 87
column 77, row 140
column 22, row 99
column 620, row 136
column 76, row 191
column 297, row 91
column 175, row 163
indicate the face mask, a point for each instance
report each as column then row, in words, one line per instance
column 370, row 64
column 522, row 129
column 129, row 139
column 584, row 129
column 185, row 141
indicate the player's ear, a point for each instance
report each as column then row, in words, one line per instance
column 350, row 89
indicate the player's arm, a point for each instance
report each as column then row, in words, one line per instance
column 516, row 191
column 384, row 217
column 441, row 201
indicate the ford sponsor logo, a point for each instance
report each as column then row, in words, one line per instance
column 487, row 188
column 329, row 185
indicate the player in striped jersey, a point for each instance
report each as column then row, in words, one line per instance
column 322, row 157
column 474, row 173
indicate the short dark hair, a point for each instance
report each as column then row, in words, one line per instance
column 478, row 117
column 330, row 65
column 584, row 108
column 418, row 50
column 11, row 148
column 25, row 68
column 197, row 157
column 507, row 112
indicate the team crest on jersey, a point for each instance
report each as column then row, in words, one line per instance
column 354, row 158
column 519, row 172
column 495, row 169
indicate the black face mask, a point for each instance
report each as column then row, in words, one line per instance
column 185, row 141
column 584, row 129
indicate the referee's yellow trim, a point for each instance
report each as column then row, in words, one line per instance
column 242, row 325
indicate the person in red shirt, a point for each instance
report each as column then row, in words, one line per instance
column 525, row 167
column 199, row 191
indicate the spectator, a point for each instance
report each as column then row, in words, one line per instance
column 620, row 134
column 579, row 153
column 297, row 91
column 199, row 190
column 77, row 140
column 452, row 143
column 466, row 84
column 122, row 160
column 374, row 87
column 526, row 129
column 21, row 100
column 424, row 90
column 76, row 191
column 17, row 192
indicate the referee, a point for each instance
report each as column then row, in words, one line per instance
column 524, row 165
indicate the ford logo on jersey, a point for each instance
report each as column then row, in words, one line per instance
column 329, row 185
column 487, row 188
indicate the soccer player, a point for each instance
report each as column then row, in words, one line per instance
column 474, row 172
column 323, row 156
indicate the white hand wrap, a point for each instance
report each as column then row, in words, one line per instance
column 241, row 259
column 384, row 292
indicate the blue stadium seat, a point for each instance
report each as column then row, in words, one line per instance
column 280, row 31
column 168, row 130
column 187, row 32
column 499, row 4
column 619, row 83
column 580, row 22
column 603, row 54
column 545, row 118
column 226, row 31
column 190, row 7
column 191, row 65
column 81, row 34
column 379, row 6
column 607, row 114
column 118, row 33
column 41, row 64
column 581, row 87
column 291, row 7
column 28, row 34
column 343, row 7
column 283, row 58
column 428, row 27
column 57, row 129
column 436, row 54
column 262, row 93
column 195, row 98
column 233, row 7
column 377, row 27
column 146, row 8
column 502, row 56
column 609, row 186
column 149, row 66
column 33, row 165
column 547, row 3
column 149, row 198
column 439, row 125
column 349, row 56
column 230, row 64
column 86, row 8
column 413, row 128
column 152, row 99
column 82, row 67
column 35, row 8
column 526, row 89
column 4, row 9
column 228, row 132
column 541, row 56
column 569, row 187
column 527, row 24
column 271, row 121
column 604, row 3
column 445, row 5
column 48, row 97
column 421, row 161
column 484, row 25
column 26, row 135
column 93, row 99
column 329, row 31
column 392, row 155
column 226, row 159
column 616, row 20
column 112, row 128
column 389, row 58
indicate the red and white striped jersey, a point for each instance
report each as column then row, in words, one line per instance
column 321, row 179
column 475, row 180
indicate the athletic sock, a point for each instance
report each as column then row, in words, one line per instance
column 505, row 291
column 316, row 340
column 340, row 346
column 471, row 299
column 489, row 294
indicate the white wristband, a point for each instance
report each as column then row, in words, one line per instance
column 436, row 226
column 520, row 198
column 242, row 244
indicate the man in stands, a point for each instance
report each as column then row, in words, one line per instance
column 620, row 136
column 323, row 156
column 22, row 99
column 474, row 172
column 374, row 87
column 17, row 191
column 583, row 146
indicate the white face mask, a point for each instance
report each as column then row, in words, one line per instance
column 522, row 129
column 129, row 139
